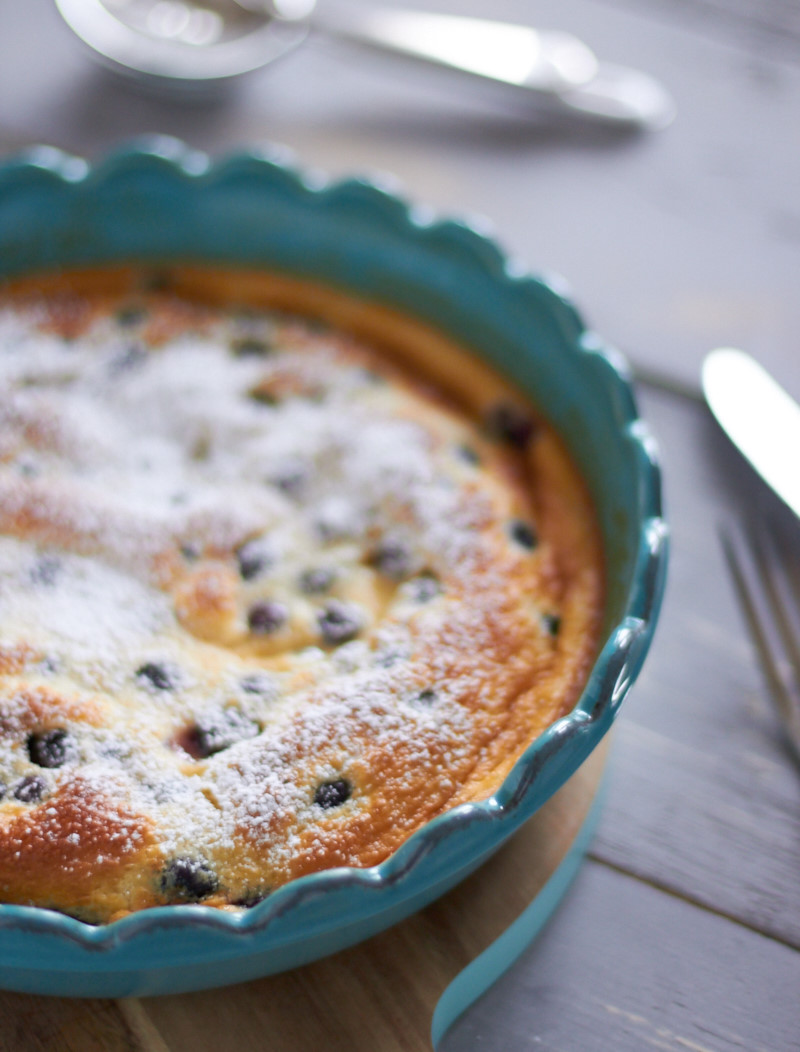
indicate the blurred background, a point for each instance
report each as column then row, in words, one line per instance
column 673, row 241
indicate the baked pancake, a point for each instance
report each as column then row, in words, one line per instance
column 283, row 576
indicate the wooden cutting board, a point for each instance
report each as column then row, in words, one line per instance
column 379, row 995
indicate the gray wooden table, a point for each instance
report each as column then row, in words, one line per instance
column 682, row 931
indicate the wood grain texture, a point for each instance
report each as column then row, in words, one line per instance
column 378, row 995
column 623, row 967
column 704, row 800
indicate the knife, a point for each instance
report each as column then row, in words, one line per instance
column 759, row 417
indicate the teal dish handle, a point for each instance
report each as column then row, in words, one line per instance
column 158, row 201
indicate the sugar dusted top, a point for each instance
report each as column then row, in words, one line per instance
column 270, row 599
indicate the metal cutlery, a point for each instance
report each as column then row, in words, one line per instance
column 760, row 418
column 192, row 43
column 766, row 579
column 763, row 421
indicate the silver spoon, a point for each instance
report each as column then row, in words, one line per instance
column 193, row 44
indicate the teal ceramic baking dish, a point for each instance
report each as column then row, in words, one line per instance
column 158, row 201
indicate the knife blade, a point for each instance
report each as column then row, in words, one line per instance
column 759, row 417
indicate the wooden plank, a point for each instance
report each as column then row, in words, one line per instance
column 48, row 1024
column 379, row 995
column 704, row 799
column 622, row 966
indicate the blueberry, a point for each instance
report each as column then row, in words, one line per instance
column 251, row 897
column 524, row 534
column 371, row 376
column 253, row 558
column 258, row 683
column 52, row 748
column 392, row 558
column 30, row 790
column 551, row 624
column 317, row 580
column 332, row 794
column 468, row 454
column 131, row 314
column 46, row 570
column 427, row 696
column 425, row 587
column 156, row 675
column 387, row 658
column 511, row 423
column 250, row 347
column 129, row 358
column 266, row 617
column 157, row 281
column 188, row 880
column 216, row 733
column 338, row 622
column 290, row 480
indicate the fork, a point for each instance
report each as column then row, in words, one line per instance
column 766, row 579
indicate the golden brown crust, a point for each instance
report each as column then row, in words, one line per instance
column 277, row 594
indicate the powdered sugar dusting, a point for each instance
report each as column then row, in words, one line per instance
column 240, row 562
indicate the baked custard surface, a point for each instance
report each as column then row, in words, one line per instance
column 283, row 576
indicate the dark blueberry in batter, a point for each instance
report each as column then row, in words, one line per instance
column 552, row 623
column 27, row 470
column 253, row 558
column 131, row 314
column 388, row 658
column 30, row 790
column 332, row 794
column 52, row 748
column 290, row 481
column 188, row 880
column 157, row 281
column 129, row 358
column 317, row 580
column 251, row 897
column 46, row 570
column 427, row 697
column 425, row 587
column 372, row 377
column 156, row 675
column 511, row 423
column 258, row 683
column 468, row 454
column 266, row 616
column 392, row 558
column 212, row 735
column 250, row 347
column 523, row 533
column 338, row 622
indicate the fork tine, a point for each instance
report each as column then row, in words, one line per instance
column 777, row 574
column 762, row 601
